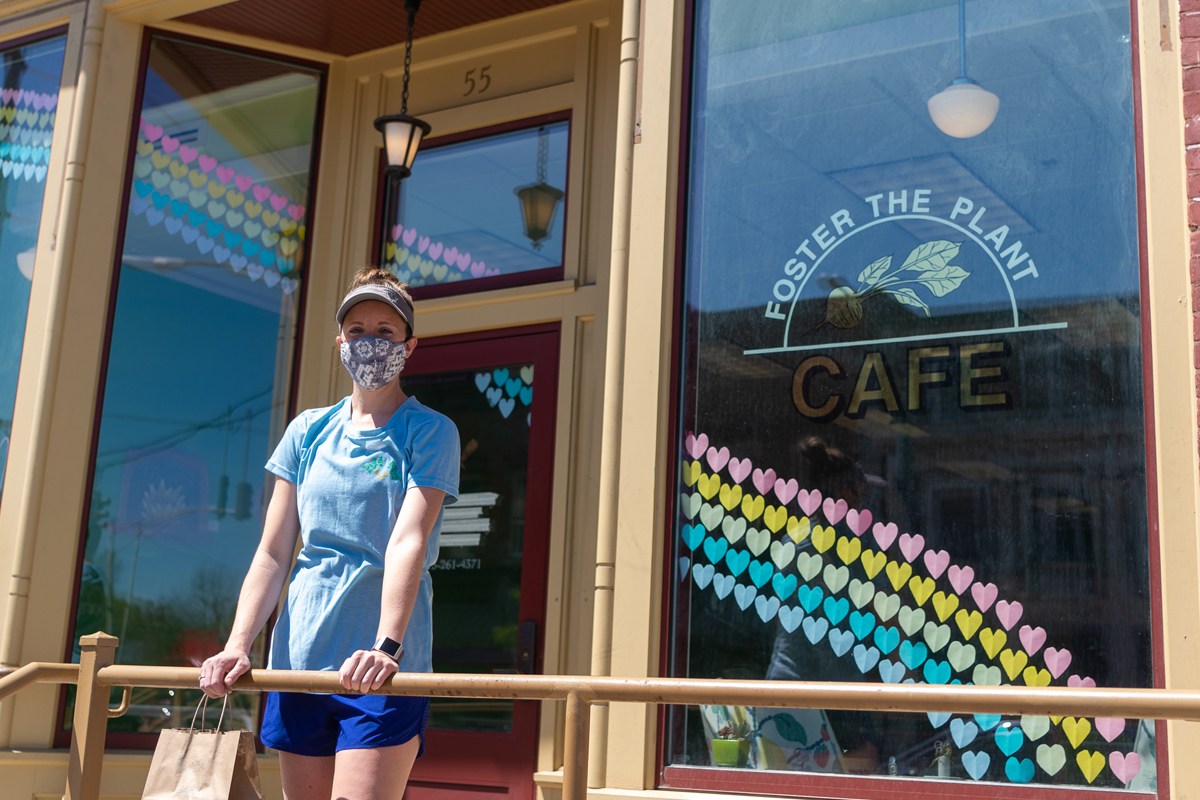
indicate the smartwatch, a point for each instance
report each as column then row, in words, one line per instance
column 390, row 648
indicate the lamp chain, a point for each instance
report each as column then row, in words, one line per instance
column 543, row 155
column 412, row 18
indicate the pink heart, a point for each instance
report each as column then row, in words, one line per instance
column 396, row 231
column 51, row 101
column 1057, row 661
column 911, row 546
column 764, row 481
column 225, row 174
column 695, row 445
column 961, row 577
column 423, row 244
column 1125, row 766
column 1076, row 682
column 450, row 256
column 207, row 163
column 187, row 154
column 7, row 95
column 984, row 594
column 477, row 269
column 858, row 521
column 1110, row 727
column 261, row 193
column 785, row 491
column 21, row 97
column 834, row 511
column 409, row 237
column 1032, row 638
column 39, row 101
column 244, row 182
column 1009, row 613
column 809, row 501
column 885, row 534
column 153, row 132
column 297, row 213
column 464, row 261
column 718, row 458
column 435, row 250
column 169, row 145
column 278, row 202
column 936, row 562
column 739, row 470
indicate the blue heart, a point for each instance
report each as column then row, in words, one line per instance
column 987, row 721
column 703, row 574
column 213, row 228
column 810, row 597
column 840, row 641
column 715, row 549
column 1009, row 740
column 234, row 239
column 693, row 535
column 835, row 609
column 913, row 655
column 1019, row 771
column 815, row 629
column 737, row 561
column 154, row 216
column 862, row 624
column 744, row 595
column 723, row 585
column 936, row 718
column 784, row 585
column 178, row 208
column 790, row 618
column 976, row 764
column 891, row 673
column 865, row 658
column 886, row 639
column 760, row 572
column 963, row 733
column 937, row 671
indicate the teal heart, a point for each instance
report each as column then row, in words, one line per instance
column 251, row 248
column 513, row 387
column 142, row 188
column 913, row 655
column 937, row 671
column 693, row 535
column 527, row 395
column 987, row 721
column 784, row 585
column 160, row 200
column 715, row 549
column 1009, row 740
column 810, row 597
column 286, row 265
column 4, row 148
column 886, row 639
column 500, row 376
column 195, row 218
column 737, row 560
column 836, row 610
column 213, row 229
column 760, row 572
column 862, row 625
column 267, row 257
column 178, row 208
column 232, row 239
column 1019, row 771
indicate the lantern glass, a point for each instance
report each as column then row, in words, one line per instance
column 539, row 202
column 402, row 136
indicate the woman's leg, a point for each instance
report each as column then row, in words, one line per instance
column 306, row 777
column 378, row 773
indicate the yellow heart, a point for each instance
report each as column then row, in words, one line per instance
column 427, row 267
column 389, row 252
column 216, row 189
column 968, row 622
column 9, row 113
column 439, row 272
column 731, row 497
column 849, row 550
column 454, row 276
column 823, row 538
column 197, row 178
column 709, row 484
column 873, row 562
column 145, row 148
column 160, row 160
column 1090, row 764
column 799, row 529
column 1035, row 677
column 287, row 226
column 178, row 170
column 270, row 219
column 992, row 641
column 300, row 232
column 1013, row 663
column 1076, row 730
column 234, row 198
column 921, row 589
column 944, row 605
column 898, row 574
column 775, row 518
column 752, row 509
column 252, row 209
column 1056, row 720
column 691, row 472
column 401, row 256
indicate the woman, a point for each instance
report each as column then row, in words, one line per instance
column 362, row 484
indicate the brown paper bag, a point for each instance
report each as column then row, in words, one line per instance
column 192, row 764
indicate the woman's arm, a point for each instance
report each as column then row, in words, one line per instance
column 260, row 591
column 366, row 670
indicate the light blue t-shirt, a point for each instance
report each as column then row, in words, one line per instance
column 350, row 486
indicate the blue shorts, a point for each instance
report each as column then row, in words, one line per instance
column 323, row 724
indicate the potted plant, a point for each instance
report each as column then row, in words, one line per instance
column 732, row 749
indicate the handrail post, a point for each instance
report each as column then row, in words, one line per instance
column 575, row 748
column 91, row 718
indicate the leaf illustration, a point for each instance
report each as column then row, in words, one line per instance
column 930, row 256
column 874, row 271
column 909, row 298
column 789, row 728
column 943, row 281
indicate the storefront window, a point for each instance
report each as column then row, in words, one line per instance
column 28, row 108
column 912, row 436
column 199, row 361
column 480, row 214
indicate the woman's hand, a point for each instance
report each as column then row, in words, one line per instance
column 366, row 671
column 218, row 673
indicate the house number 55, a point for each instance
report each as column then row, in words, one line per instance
column 484, row 82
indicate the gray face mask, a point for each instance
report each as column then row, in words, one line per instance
column 373, row 362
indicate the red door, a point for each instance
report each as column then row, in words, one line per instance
column 489, row 585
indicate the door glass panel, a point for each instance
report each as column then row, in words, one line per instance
column 199, row 363
column 477, row 578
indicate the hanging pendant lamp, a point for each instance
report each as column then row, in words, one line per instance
column 402, row 134
column 964, row 108
column 539, row 200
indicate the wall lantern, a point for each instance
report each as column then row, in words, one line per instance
column 539, row 201
column 402, row 134
column 964, row 108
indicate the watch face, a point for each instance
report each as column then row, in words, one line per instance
column 389, row 646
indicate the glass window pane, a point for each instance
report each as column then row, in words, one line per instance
column 488, row 210
column 199, row 364
column 912, row 441
column 28, row 108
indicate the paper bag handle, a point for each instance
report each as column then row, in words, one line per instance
column 204, row 704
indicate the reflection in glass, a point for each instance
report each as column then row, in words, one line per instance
column 459, row 217
column 912, row 439
column 477, row 579
column 28, row 108
column 199, row 363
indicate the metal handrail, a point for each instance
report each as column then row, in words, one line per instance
column 95, row 674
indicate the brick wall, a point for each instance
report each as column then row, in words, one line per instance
column 1189, row 34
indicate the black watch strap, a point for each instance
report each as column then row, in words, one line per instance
column 390, row 648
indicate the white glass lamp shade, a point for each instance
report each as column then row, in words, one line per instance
column 402, row 136
column 963, row 109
